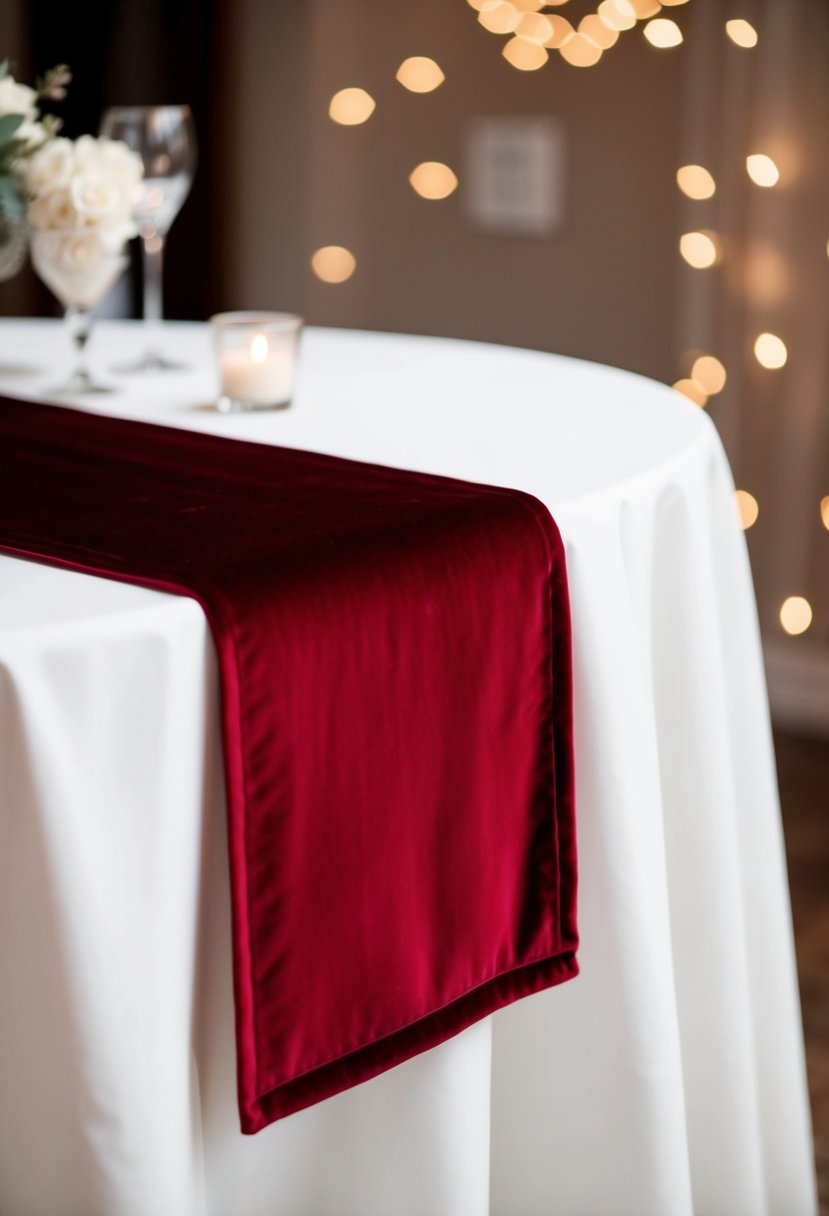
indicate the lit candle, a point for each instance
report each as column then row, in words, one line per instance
column 261, row 373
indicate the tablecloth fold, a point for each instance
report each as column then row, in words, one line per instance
column 394, row 653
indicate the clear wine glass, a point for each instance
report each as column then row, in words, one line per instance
column 79, row 266
column 165, row 138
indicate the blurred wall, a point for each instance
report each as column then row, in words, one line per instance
column 18, row 295
column 604, row 288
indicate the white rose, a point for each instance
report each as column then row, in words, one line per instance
column 87, row 153
column 98, row 197
column 50, row 166
column 78, row 267
column 17, row 98
column 122, row 162
column 55, row 209
column 85, row 251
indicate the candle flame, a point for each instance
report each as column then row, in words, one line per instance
column 259, row 349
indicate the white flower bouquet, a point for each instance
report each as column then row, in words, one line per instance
column 81, row 214
column 82, row 196
column 22, row 133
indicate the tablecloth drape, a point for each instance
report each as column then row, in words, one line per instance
column 667, row 1081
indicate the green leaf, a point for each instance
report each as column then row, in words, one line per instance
column 4, row 68
column 10, row 201
column 9, row 124
column 15, row 149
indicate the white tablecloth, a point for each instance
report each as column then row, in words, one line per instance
column 668, row 1079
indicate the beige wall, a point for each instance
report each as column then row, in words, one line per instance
column 603, row 289
column 17, row 295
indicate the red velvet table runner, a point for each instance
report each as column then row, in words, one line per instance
column 394, row 654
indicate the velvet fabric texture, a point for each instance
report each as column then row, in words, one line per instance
column 394, row 656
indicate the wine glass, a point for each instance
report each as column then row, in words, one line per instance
column 164, row 137
column 79, row 266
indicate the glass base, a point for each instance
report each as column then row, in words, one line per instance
column 80, row 384
column 150, row 361
column 230, row 405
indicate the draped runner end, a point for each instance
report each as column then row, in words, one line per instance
column 394, row 656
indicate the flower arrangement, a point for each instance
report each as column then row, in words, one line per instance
column 22, row 132
column 82, row 194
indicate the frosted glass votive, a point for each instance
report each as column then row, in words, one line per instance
column 256, row 354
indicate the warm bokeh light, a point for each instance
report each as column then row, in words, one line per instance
column 535, row 27
column 824, row 511
column 767, row 274
column 748, row 508
column 480, row 5
column 663, row 33
column 695, row 181
column 762, row 170
column 562, row 31
column 333, row 263
column 528, row 6
column 618, row 14
column 526, row 56
column 770, row 351
column 741, row 33
column 795, row 614
column 350, row 107
column 699, row 249
column 710, row 373
column 433, row 179
column 580, row 52
column 596, row 31
column 502, row 19
column 419, row 74
column 692, row 390
column 645, row 8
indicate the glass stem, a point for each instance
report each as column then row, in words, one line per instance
column 153, row 297
column 79, row 321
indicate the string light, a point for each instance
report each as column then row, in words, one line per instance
column 770, row 351
column 594, row 30
column 747, row 508
column 432, row 179
column 795, row 614
column 350, row 107
column 695, row 181
column 699, row 249
column 419, row 74
column 824, row 511
column 502, row 19
column 562, row 31
column 742, row 33
column 526, row 56
column 535, row 28
column 333, row 263
column 597, row 31
column 580, row 52
column 693, row 390
column 710, row 373
column 762, row 170
column 618, row 14
column 663, row 33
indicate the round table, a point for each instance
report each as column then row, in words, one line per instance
column 668, row 1079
